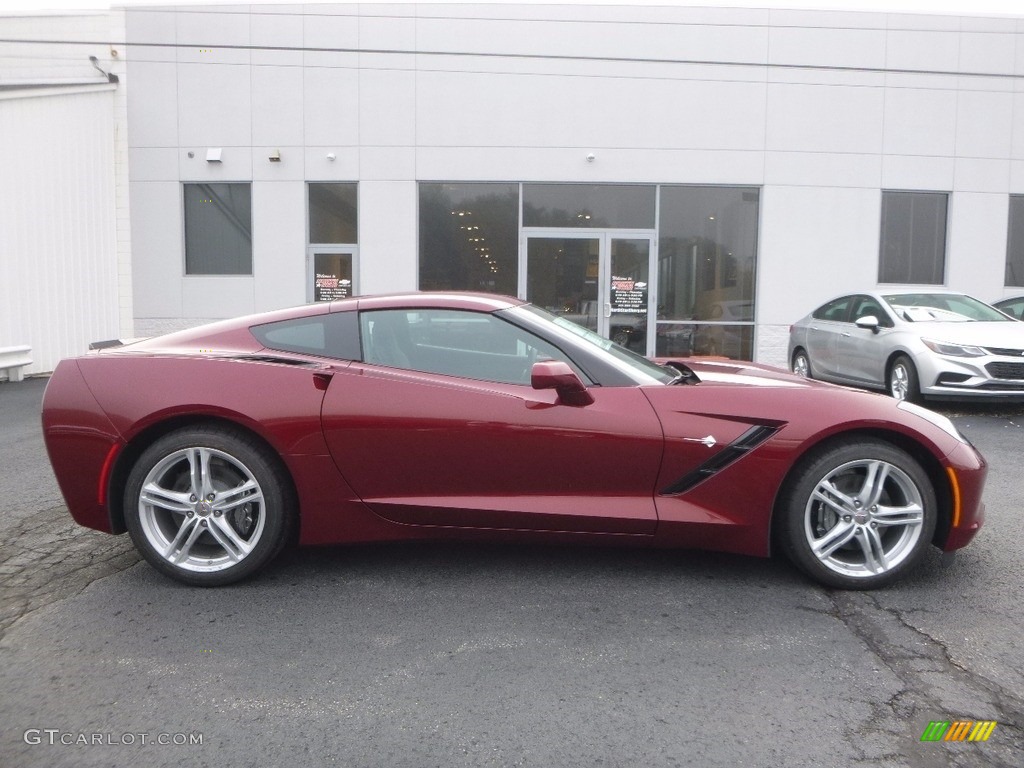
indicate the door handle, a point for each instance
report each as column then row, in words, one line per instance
column 607, row 309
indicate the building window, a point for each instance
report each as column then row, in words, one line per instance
column 707, row 261
column 1015, row 243
column 218, row 229
column 332, row 213
column 602, row 206
column 913, row 245
column 469, row 237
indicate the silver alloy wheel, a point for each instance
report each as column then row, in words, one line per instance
column 899, row 381
column 801, row 365
column 864, row 518
column 201, row 509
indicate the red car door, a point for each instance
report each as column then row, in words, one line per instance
column 441, row 450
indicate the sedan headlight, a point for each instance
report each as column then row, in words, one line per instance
column 937, row 419
column 953, row 350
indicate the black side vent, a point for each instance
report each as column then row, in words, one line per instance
column 749, row 440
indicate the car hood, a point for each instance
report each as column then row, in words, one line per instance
column 1008, row 335
column 740, row 373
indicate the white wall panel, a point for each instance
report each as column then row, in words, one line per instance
column 331, row 106
column 984, row 124
column 815, row 244
column 977, row 244
column 157, row 248
column 279, row 252
column 214, row 105
column 387, row 236
column 815, row 118
column 153, row 106
column 277, row 105
column 920, row 121
column 59, row 280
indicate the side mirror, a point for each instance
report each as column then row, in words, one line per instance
column 868, row 323
column 556, row 375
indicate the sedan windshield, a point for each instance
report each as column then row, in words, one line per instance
column 943, row 307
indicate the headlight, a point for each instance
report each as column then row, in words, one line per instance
column 937, row 419
column 953, row 350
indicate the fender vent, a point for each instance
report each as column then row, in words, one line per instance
column 745, row 443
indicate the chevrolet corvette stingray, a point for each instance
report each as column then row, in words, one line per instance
column 442, row 415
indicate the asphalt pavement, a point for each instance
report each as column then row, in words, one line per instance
column 483, row 655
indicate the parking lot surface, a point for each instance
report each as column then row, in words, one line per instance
column 469, row 655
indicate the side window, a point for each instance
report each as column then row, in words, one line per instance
column 865, row 305
column 835, row 310
column 470, row 345
column 333, row 334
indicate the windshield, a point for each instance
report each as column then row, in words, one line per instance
column 639, row 366
column 943, row 307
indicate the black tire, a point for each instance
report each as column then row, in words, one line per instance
column 801, row 364
column 868, row 535
column 902, row 380
column 215, row 527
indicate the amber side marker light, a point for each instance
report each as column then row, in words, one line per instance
column 954, row 485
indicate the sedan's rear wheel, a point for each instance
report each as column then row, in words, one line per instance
column 207, row 506
column 903, row 381
column 858, row 516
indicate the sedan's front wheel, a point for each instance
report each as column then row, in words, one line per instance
column 207, row 505
column 858, row 516
column 903, row 381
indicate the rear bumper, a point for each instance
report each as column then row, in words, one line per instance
column 82, row 445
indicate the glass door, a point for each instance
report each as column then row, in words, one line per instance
column 597, row 279
column 331, row 273
column 628, row 293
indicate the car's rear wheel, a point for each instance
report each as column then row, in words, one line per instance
column 802, row 364
column 858, row 516
column 903, row 381
column 208, row 505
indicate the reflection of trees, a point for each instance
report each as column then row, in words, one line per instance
column 477, row 250
column 541, row 216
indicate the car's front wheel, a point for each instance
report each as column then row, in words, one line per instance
column 208, row 505
column 858, row 516
column 903, row 381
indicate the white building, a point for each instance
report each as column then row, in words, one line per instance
column 703, row 176
column 65, row 253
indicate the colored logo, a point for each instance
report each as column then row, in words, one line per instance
column 958, row 730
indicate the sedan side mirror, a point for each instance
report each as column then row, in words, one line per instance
column 868, row 322
column 556, row 375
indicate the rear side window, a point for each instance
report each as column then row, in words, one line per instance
column 835, row 310
column 335, row 335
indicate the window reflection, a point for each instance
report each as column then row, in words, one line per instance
column 608, row 206
column 332, row 213
column 469, row 237
column 707, row 264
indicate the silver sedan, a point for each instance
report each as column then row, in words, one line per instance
column 912, row 344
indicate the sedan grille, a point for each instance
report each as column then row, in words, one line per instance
column 1005, row 370
column 1002, row 352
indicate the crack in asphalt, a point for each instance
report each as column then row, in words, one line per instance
column 46, row 557
column 914, row 656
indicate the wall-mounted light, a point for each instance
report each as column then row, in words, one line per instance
column 213, row 154
column 275, row 156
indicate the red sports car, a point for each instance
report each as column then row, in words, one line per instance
column 469, row 415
